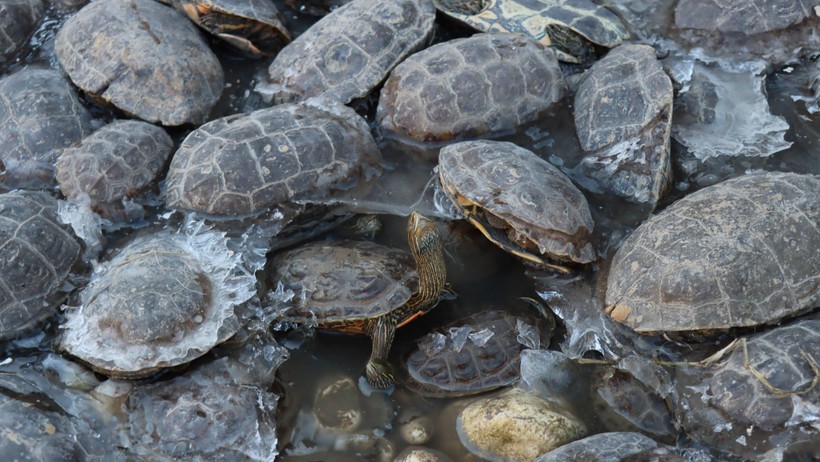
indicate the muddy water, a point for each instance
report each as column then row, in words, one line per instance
column 483, row 275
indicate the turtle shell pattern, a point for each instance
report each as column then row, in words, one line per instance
column 40, row 113
column 470, row 87
column 626, row 97
column 37, row 254
column 528, row 193
column 117, row 161
column 351, row 50
column 17, row 20
column 738, row 253
column 156, row 304
column 531, row 17
column 339, row 285
column 30, row 432
column 245, row 163
column 601, row 447
column 144, row 58
column 471, row 369
column 741, row 16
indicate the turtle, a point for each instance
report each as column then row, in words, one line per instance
column 570, row 27
column 316, row 7
column 739, row 253
column 470, row 87
column 519, row 201
column 142, row 57
column 473, row 354
column 117, row 162
column 603, row 447
column 37, row 255
column 741, row 17
column 247, row 163
column 756, row 394
column 348, row 52
column 30, row 431
column 40, row 114
column 17, row 21
column 253, row 26
column 623, row 117
column 165, row 299
column 360, row 287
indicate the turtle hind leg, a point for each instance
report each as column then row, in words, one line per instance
column 378, row 369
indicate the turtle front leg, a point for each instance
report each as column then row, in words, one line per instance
column 379, row 372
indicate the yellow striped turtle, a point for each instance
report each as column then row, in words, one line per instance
column 364, row 288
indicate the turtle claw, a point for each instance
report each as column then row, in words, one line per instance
column 379, row 373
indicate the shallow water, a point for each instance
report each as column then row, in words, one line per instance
column 483, row 275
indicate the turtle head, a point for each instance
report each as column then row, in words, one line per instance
column 423, row 235
column 379, row 373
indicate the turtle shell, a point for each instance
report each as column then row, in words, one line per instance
column 245, row 163
column 738, row 253
column 594, row 22
column 338, row 282
column 163, row 300
column 350, row 51
column 37, row 253
column 470, row 87
column 254, row 26
column 116, row 162
column 28, row 431
column 474, row 354
column 600, row 447
column 17, row 20
column 741, row 16
column 534, row 198
column 732, row 395
column 623, row 114
column 39, row 115
column 142, row 57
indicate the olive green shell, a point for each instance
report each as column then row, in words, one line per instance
column 470, row 87
column 350, row 51
column 142, row 57
column 33, row 134
column 37, row 253
column 343, row 281
column 246, row 163
column 739, row 253
column 472, row 368
column 623, row 115
column 741, row 16
column 528, row 193
column 594, row 22
column 116, row 162
column 17, row 21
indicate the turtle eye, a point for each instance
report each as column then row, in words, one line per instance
column 463, row 7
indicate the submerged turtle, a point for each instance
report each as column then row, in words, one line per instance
column 739, row 253
column 623, row 116
column 474, row 354
column 142, row 57
column 115, row 163
column 37, row 253
column 518, row 201
column 164, row 300
column 613, row 446
column 247, row 163
column 569, row 26
column 253, row 26
column 364, row 288
column 349, row 51
column 470, row 87
column 40, row 114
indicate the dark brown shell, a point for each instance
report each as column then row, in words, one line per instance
column 344, row 281
column 528, row 193
column 245, row 163
column 351, row 50
column 142, row 57
column 39, row 115
column 739, row 253
column 116, row 162
column 470, row 87
column 37, row 253
column 623, row 114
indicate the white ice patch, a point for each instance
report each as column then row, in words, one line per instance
column 527, row 335
column 87, row 225
column 480, row 338
column 458, row 337
column 805, row 413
